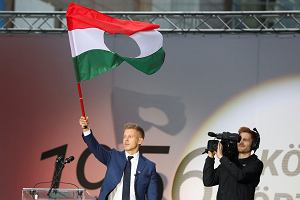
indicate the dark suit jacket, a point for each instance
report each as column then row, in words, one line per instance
column 146, row 180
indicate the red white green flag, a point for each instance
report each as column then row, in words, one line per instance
column 91, row 56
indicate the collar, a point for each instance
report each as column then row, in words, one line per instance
column 135, row 156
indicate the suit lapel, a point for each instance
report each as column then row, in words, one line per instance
column 123, row 159
column 140, row 166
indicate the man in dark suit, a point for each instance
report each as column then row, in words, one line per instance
column 129, row 175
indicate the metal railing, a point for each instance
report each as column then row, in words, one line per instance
column 205, row 22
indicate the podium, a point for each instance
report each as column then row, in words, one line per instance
column 55, row 194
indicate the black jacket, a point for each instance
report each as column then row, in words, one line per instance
column 237, row 181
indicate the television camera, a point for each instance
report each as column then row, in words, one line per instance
column 229, row 142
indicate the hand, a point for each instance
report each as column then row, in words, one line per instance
column 83, row 121
column 211, row 154
column 220, row 150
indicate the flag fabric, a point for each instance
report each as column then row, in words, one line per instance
column 91, row 56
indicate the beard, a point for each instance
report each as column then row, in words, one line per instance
column 244, row 149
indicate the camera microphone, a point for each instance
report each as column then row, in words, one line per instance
column 212, row 134
column 226, row 136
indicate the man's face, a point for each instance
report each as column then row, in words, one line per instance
column 131, row 140
column 244, row 146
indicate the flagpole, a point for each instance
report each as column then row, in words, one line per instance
column 81, row 99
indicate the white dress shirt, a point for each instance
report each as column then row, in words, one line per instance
column 116, row 194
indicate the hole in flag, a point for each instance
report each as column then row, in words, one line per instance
column 122, row 44
column 154, row 116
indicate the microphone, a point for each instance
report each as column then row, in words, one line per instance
column 212, row 134
column 59, row 159
column 60, row 164
column 69, row 159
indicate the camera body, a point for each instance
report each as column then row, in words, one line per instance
column 212, row 145
column 229, row 142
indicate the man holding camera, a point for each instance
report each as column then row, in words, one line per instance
column 236, row 180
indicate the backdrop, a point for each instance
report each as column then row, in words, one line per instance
column 208, row 83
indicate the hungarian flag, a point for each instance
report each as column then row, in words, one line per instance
column 91, row 56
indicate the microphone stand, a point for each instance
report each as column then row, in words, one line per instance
column 60, row 165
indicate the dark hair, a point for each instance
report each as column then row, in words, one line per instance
column 135, row 127
column 254, row 135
